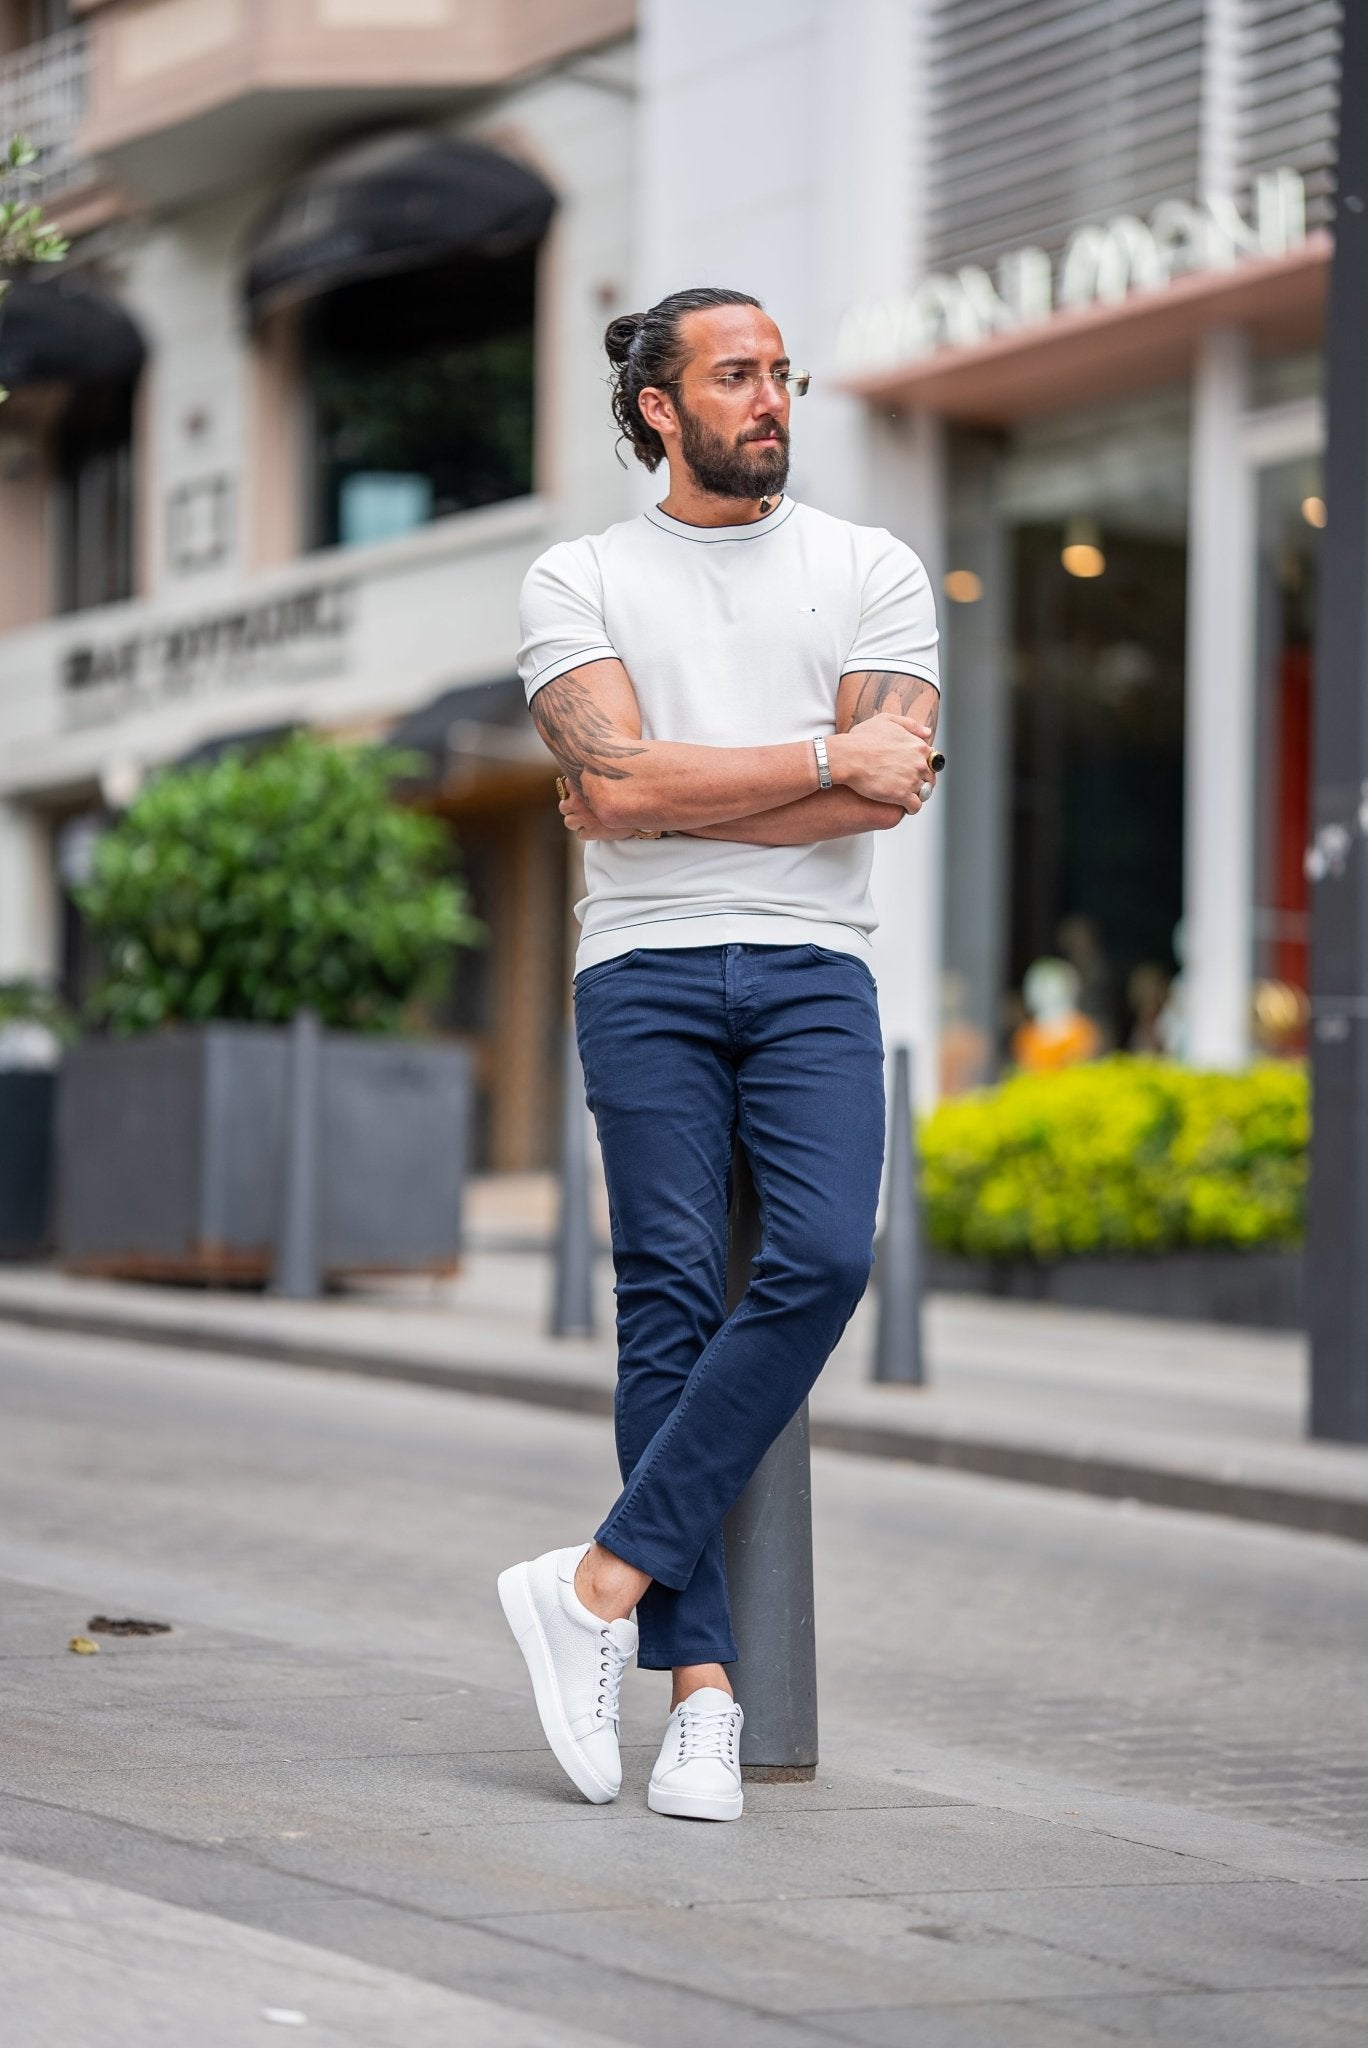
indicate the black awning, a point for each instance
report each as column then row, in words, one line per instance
column 250, row 740
column 397, row 202
column 428, row 729
column 65, row 330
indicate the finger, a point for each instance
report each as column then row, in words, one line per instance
column 923, row 732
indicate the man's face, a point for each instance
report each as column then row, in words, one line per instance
column 733, row 416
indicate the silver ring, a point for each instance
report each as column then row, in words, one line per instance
column 924, row 792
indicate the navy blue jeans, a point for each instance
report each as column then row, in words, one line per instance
column 681, row 1048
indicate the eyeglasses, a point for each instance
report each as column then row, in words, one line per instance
column 735, row 383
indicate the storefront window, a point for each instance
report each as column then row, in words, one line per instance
column 1073, row 628
column 94, row 498
column 1291, row 513
column 421, row 397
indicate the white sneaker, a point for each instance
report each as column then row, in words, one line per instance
column 576, row 1661
column 698, row 1772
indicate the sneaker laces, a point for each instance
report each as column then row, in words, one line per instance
column 708, row 1734
column 612, row 1663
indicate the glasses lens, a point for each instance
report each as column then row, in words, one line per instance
column 798, row 381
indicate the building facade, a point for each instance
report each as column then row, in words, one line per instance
column 319, row 379
column 1058, row 271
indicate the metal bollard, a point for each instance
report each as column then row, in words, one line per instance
column 572, row 1305
column 769, row 1565
column 898, row 1354
column 298, row 1269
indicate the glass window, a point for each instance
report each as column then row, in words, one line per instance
column 94, row 498
column 420, row 391
column 1066, row 622
column 1291, row 513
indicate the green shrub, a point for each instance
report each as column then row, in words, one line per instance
column 31, row 1002
column 1124, row 1155
column 251, row 886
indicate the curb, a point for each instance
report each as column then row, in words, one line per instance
column 1248, row 1500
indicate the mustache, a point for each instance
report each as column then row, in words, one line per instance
column 764, row 432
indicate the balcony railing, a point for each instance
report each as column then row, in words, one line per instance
column 42, row 98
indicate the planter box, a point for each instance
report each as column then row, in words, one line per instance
column 26, row 1099
column 1260, row 1288
column 170, row 1153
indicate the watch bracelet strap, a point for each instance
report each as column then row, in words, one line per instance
column 819, row 748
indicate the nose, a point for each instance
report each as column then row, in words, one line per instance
column 769, row 396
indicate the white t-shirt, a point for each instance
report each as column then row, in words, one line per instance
column 733, row 636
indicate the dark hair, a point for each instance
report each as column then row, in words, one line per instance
column 645, row 348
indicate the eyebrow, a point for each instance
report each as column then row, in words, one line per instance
column 743, row 362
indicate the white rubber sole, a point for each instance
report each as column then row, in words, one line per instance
column 692, row 1806
column 520, row 1611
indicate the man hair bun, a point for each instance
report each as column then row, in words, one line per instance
column 620, row 335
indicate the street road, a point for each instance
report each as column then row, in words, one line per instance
column 1091, row 1772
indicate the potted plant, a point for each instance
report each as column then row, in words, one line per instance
column 1129, row 1183
column 228, row 897
column 34, row 1026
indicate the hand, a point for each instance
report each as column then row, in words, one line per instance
column 886, row 757
column 580, row 820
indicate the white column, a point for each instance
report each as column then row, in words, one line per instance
column 28, row 907
column 1218, row 883
column 909, row 861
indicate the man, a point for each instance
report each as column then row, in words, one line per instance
column 738, row 690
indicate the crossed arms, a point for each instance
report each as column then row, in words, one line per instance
column 764, row 796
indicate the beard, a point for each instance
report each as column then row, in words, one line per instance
column 733, row 469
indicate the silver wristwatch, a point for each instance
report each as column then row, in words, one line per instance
column 819, row 748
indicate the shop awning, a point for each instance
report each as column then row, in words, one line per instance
column 1109, row 350
column 65, row 330
column 249, row 739
column 435, row 728
column 397, row 202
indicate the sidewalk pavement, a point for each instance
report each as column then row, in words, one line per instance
column 1182, row 1415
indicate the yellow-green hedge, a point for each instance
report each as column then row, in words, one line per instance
column 1124, row 1155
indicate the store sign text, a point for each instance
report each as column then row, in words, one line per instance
column 1100, row 265
column 297, row 637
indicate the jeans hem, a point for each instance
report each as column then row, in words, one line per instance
column 657, row 1660
column 666, row 1573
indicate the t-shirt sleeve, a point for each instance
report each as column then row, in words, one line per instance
column 897, row 629
column 560, row 616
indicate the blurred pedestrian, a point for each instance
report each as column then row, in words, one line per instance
column 739, row 690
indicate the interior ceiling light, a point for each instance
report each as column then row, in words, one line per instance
column 1313, row 511
column 1082, row 553
column 962, row 586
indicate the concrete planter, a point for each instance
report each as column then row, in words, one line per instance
column 26, row 1099
column 1262, row 1288
column 170, row 1153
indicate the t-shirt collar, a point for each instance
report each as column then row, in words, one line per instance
column 751, row 530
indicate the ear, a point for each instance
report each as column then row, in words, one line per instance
column 657, row 409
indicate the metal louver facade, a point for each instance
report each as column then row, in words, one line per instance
column 1046, row 114
column 1289, row 94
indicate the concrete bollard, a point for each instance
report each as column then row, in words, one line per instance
column 298, row 1269
column 898, row 1353
column 769, row 1565
column 572, row 1304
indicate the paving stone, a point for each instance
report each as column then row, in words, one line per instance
column 87, row 1965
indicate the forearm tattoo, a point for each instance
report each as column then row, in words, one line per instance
column 910, row 696
column 577, row 732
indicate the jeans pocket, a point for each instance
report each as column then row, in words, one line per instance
column 590, row 977
column 833, row 956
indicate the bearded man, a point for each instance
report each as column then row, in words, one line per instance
column 739, row 690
